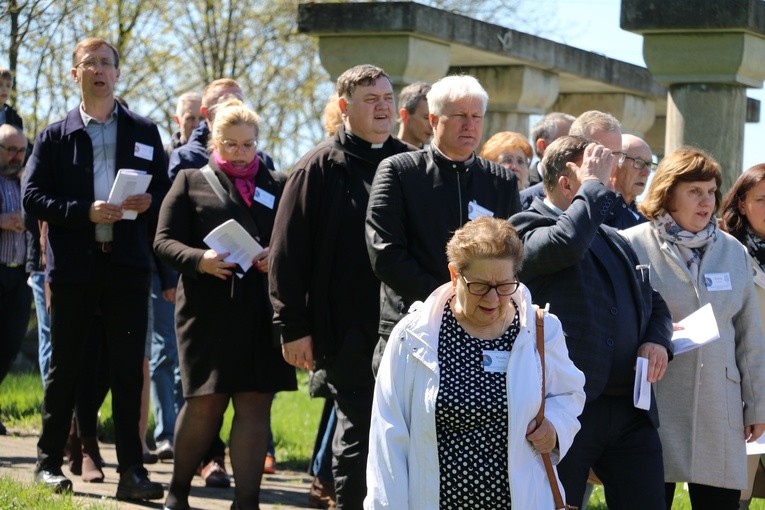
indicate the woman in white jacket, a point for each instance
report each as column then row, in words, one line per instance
column 459, row 387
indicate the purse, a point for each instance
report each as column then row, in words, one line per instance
column 551, row 476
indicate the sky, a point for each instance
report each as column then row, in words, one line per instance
column 597, row 29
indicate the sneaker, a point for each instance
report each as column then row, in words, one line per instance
column 54, row 478
column 164, row 450
column 135, row 484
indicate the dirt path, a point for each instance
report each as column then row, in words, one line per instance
column 284, row 490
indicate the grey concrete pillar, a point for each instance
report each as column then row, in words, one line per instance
column 515, row 93
column 712, row 117
column 406, row 58
column 706, row 53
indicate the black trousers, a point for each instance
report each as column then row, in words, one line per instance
column 120, row 295
column 350, row 447
column 623, row 448
column 706, row 497
column 15, row 306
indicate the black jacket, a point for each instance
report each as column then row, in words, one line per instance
column 313, row 289
column 418, row 199
column 13, row 118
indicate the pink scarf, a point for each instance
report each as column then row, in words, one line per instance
column 244, row 178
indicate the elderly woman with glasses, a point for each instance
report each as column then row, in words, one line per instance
column 512, row 151
column 459, row 387
column 711, row 400
column 223, row 318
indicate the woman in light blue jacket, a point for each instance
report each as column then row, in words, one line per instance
column 459, row 387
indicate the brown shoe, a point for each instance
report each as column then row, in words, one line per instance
column 322, row 495
column 91, row 461
column 214, row 474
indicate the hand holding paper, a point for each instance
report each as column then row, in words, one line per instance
column 699, row 328
column 230, row 237
column 641, row 395
column 130, row 184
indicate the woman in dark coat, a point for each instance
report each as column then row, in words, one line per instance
column 223, row 319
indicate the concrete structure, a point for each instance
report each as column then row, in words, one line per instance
column 707, row 54
column 524, row 74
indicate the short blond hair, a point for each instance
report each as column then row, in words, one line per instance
column 232, row 112
column 484, row 238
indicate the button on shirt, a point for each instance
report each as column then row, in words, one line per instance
column 12, row 244
column 103, row 136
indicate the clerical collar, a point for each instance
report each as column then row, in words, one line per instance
column 442, row 159
column 360, row 142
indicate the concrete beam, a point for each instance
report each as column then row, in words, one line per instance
column 637, row 114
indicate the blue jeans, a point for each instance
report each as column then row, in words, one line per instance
column 36, row 281
column 166, row 391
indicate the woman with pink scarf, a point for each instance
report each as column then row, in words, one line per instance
column 226, row 348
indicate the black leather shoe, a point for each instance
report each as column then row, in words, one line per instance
column 54, row 479
column 135, row 484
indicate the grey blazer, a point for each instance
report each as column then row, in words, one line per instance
column 709, row 394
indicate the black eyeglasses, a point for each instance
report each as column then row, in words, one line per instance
column 14, row 150
column 92, row 63
column 637, row 163
column 481, row 288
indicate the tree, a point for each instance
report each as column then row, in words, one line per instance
column 168, row 47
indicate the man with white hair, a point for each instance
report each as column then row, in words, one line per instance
column 418, row 199
column 634, row 165
column 188, row 115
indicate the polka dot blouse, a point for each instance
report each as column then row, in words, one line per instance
column 471, row 419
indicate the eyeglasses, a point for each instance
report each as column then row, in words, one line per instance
column 509, row 160
column 481, row 288
column 233, row 147
column 637, row 163
column 14, row 150
column 92, row 63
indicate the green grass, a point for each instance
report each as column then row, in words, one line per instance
column 294, row 419
column 15, row 495
column 294, row 416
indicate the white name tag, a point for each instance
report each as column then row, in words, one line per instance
column 717, row 281
column 476, row 211
column 262, row 196
column 495, row 361
column 144, row 151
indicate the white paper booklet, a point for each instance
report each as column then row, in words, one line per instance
column 231, row 237
column 699, row 328
column 128, row 182
column 641, row 396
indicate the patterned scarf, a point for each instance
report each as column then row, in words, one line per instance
column 690, row 246
column 244, row 178
column 755, row 245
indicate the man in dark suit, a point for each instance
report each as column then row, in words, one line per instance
column 588, row 275
column 97, row 263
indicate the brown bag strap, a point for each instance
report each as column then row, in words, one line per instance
column 557, row 497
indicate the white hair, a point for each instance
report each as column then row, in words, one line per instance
column 451, row 89
column 187, row 97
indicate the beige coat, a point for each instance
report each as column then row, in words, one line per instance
column 709, row 394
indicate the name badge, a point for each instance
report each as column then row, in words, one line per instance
column 476, row 211
column 717, row 281
column 262, row 196
column 495, row 361
column 144, row 151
